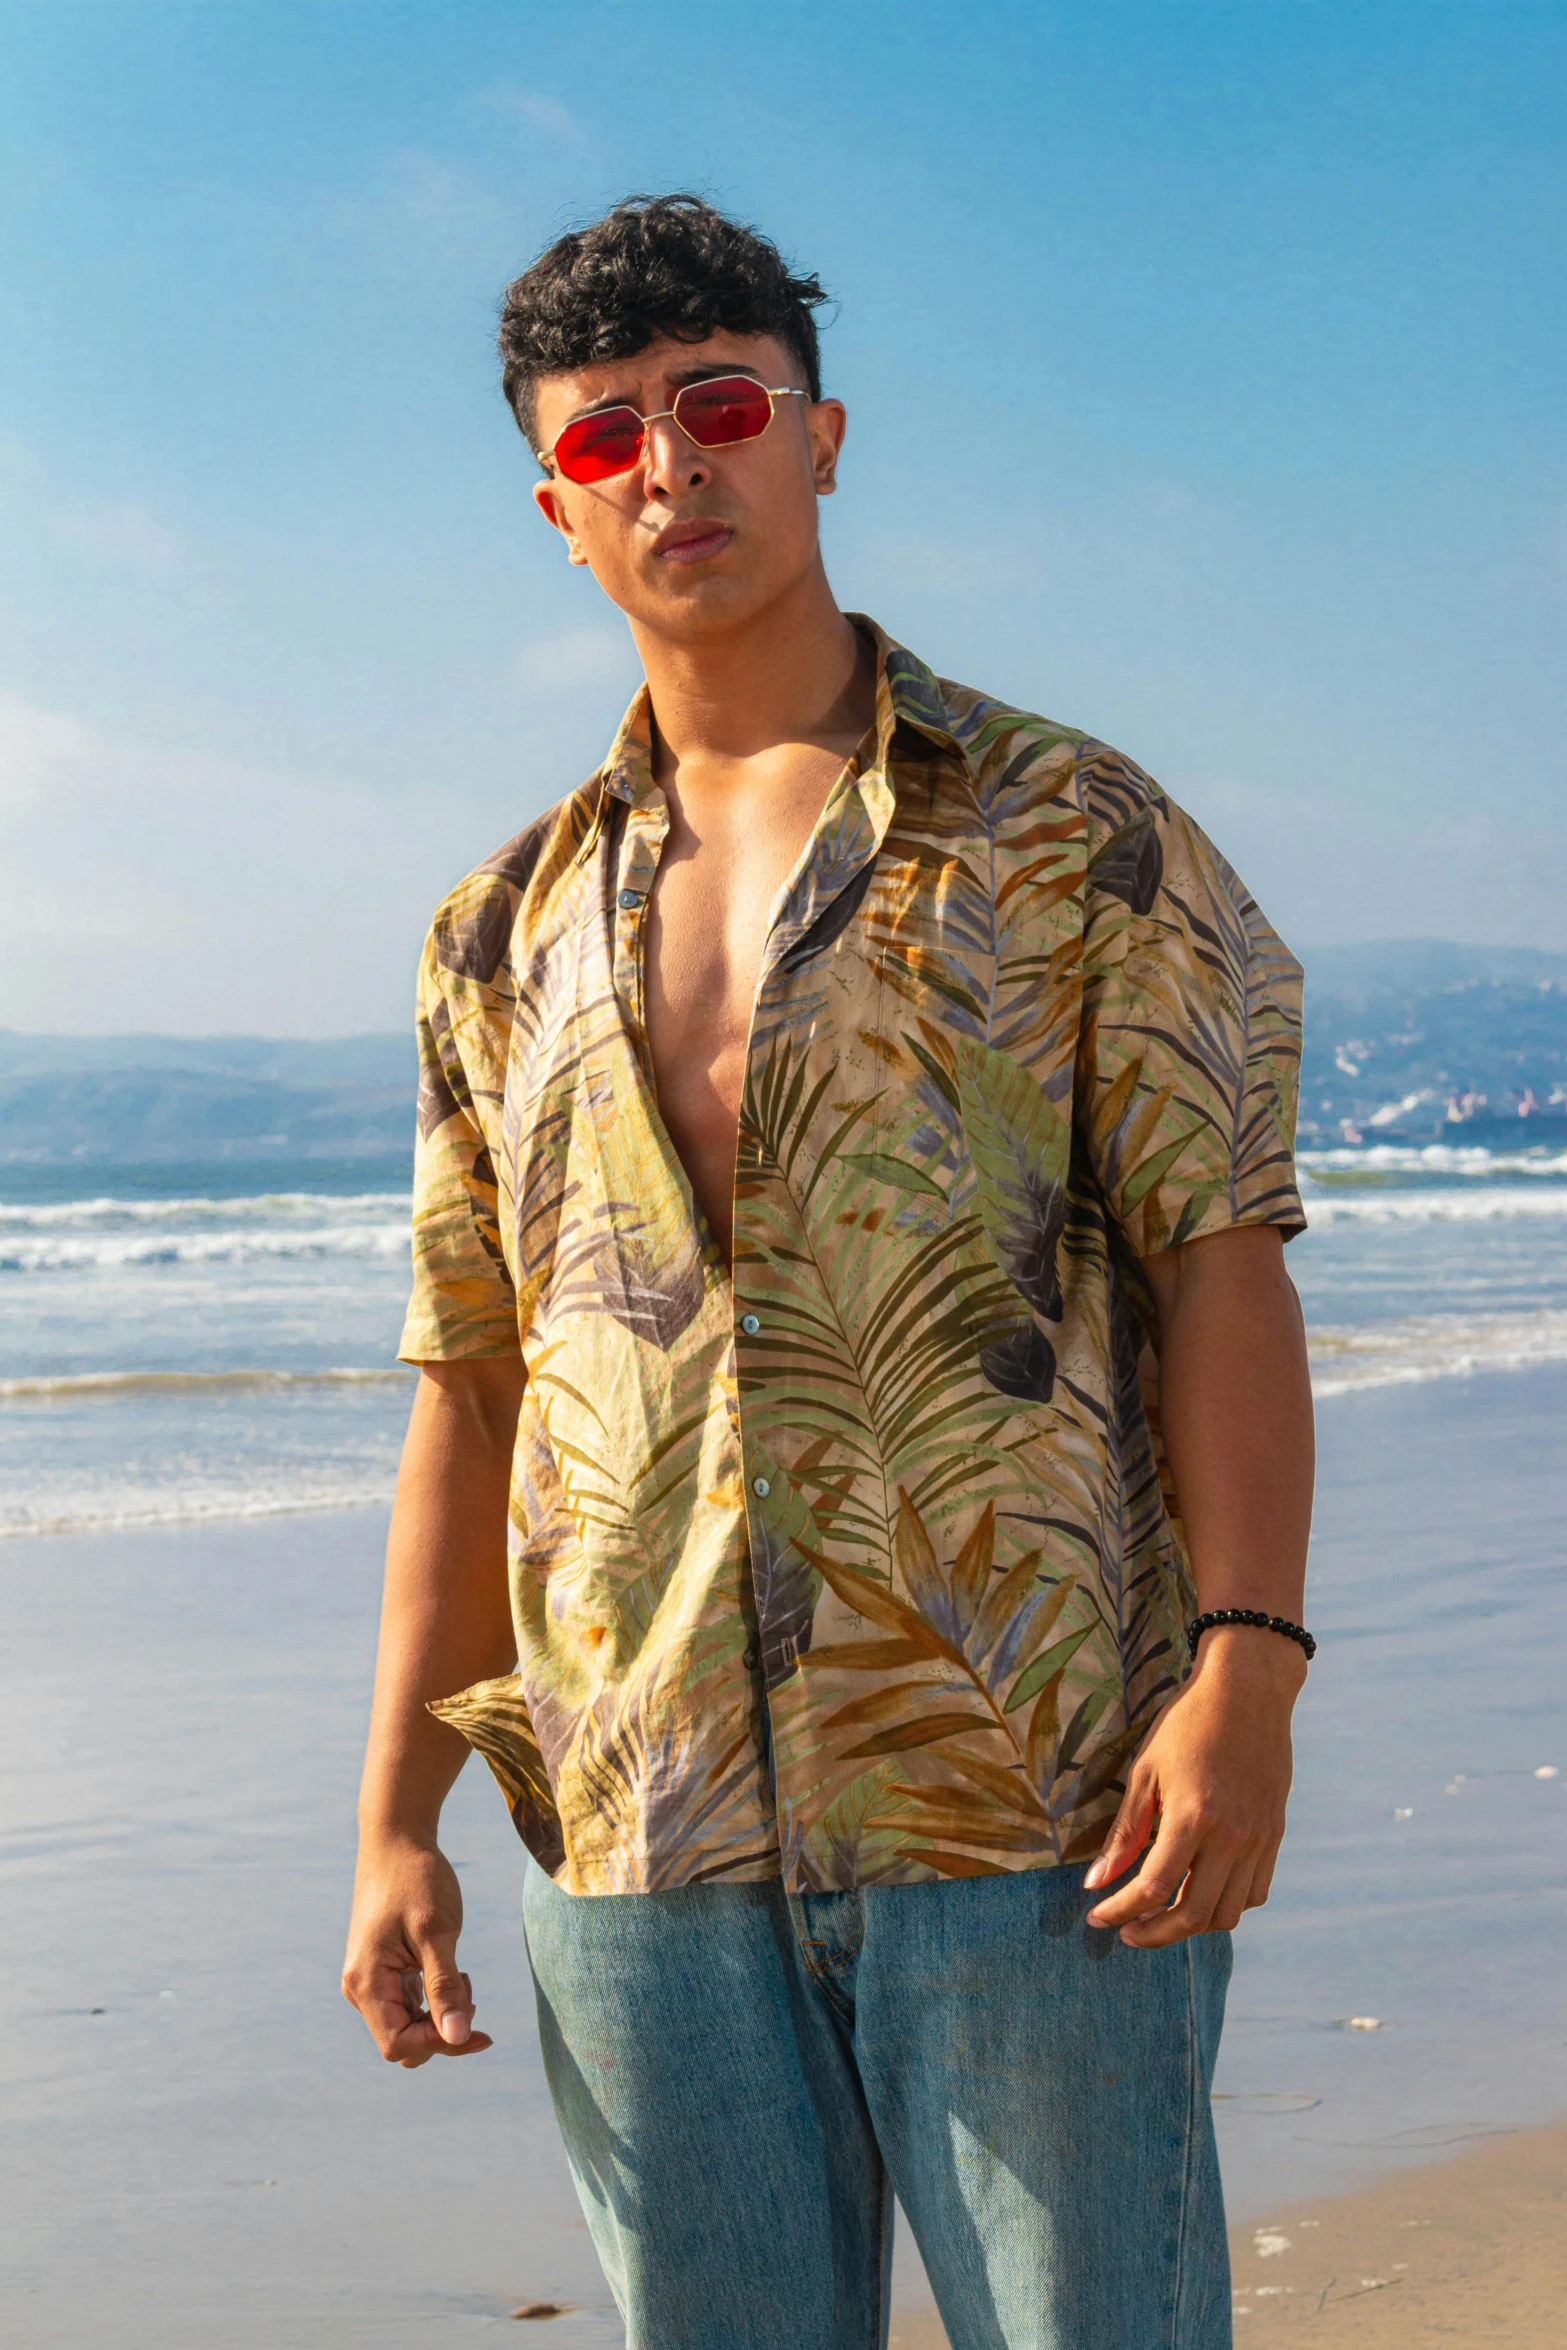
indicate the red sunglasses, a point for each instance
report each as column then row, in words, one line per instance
column 715, row 414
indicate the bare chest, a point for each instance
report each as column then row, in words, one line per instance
column 708, row 921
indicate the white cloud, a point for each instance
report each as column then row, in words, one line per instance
column 41, row 752
column 985, row 565
column 588, row 658
column 445, row 205
column 1331, row 869
column 189, row 892
column 429, row 189
column 118, row 532
column 537, row 113
column 129, row 534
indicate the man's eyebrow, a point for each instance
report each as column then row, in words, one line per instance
column 709, row 373
column 598, row 407
column 713, row 371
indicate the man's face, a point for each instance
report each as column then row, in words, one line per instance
column 693, row 542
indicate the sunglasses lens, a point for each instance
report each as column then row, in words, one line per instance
column 597, row 447
column 731, row 408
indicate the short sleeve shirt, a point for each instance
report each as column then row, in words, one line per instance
column 858, row 1564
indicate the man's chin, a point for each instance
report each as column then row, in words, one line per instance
column 697, row 598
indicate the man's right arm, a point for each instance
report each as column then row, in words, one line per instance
column 445, row 1622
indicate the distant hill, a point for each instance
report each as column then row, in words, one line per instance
column 1402, row 1034
column 1395, row 1032
column 135, row 1100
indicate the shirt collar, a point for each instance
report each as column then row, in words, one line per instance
column 905, row 690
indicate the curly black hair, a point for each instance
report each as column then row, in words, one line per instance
column 655, row 265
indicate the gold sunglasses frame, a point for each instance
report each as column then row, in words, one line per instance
column 546, row 457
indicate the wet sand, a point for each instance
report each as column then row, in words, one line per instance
column 1470, row 2252
column 204, row 2153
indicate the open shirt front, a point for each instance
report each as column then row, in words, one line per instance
column 859, row 1565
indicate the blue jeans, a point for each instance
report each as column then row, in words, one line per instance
column 745, row 2077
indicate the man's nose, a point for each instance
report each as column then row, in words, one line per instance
column 671, row 460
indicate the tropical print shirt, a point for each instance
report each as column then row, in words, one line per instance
column 858, row 1565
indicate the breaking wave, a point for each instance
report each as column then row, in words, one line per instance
column 1434, row 1346
column 114, row 1386
column 274, row 1206
column 1490, row 1203
column 109, row 1513
column 63, row 1252
column 1435, row 1158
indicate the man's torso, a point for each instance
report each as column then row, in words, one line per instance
column 854, row 1562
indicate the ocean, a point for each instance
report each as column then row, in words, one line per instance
column 199, row 1423
column 182, row 1344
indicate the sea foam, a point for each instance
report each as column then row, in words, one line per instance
column 1433, row 1346
column 1490, row 1203
column 113, row 1386
column 56, row 1252
column 275, row 1206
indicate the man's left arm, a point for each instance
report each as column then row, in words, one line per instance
column 1212, row 1778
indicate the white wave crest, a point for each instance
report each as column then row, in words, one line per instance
column 52, row 1253
column 88, row 1215
column 113, row 1386
column 1436, row 1158
column 1485, row 1204
column 1433, row 1346
column 111, row 1512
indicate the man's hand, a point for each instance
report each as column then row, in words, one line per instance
column 445, row 1622
column 1214, row 1774
column 406, row 1919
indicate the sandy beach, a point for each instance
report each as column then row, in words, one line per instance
column 1462, row 2252
column 1470, row 2252
column 205, row 2155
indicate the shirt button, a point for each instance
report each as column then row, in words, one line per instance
column 628, row 900
column 750, row 1325
column 760, row 1487
column 749, row 1660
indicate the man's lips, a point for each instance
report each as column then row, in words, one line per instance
column 691, row 542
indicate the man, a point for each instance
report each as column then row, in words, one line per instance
column 855, row 1157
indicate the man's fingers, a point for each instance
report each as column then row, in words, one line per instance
column 1262, row 1876
column 1237, row 1896
column 448, row 1994
column 1192, row 1912
column 1133, row 1827
column 421, row 2041
column 1232, row 1898
column 1156, row 1883
column 392, row 2001
column 388, row 2020
column 1216, row 1892
column 380, row 1991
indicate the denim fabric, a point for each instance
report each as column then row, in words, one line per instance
column 745, row 2076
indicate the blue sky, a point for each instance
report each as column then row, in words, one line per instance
column 1204, row 371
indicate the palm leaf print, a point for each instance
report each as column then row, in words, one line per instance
column 1018, row 1027
column 1020, row 1144
column 493, row 1716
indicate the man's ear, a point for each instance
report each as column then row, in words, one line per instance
column 547, row 498
column 826, row 421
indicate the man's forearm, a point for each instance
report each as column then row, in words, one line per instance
column 1213, row 1775
column 1235, row 1408
column 445, row 1621
column 446, row 1616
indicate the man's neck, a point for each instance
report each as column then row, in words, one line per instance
column 797, row 674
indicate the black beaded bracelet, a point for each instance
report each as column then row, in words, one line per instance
column 1247, row 1615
